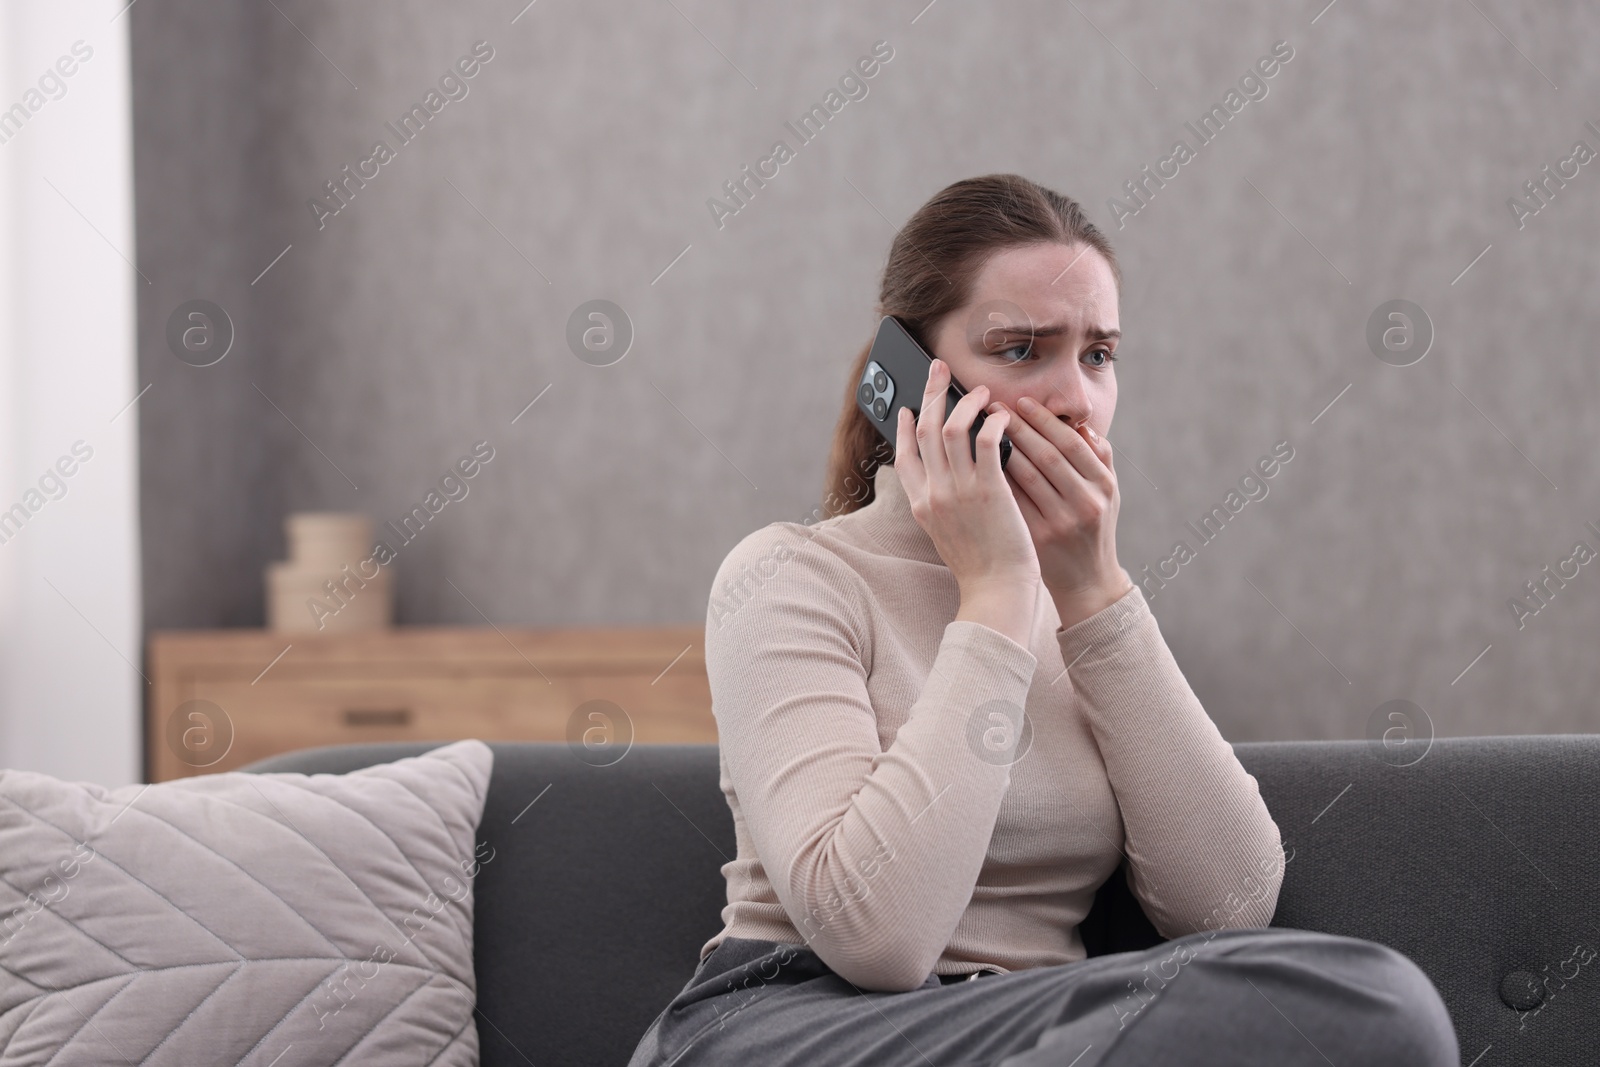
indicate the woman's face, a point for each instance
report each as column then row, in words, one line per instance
column 1042, row 323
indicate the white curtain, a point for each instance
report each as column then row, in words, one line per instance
column 71, row 661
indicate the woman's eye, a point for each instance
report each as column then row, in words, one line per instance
column 1104, row 354
column 1024, row 347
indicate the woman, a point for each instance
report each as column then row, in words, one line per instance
column 946, row 716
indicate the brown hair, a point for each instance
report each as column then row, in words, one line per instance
column 932, row 265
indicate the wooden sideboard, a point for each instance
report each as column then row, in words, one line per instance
column 220, row 699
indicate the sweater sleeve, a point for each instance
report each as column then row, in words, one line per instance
column 873, row 852
column 1203, row 851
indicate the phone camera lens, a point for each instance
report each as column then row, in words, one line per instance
column 880, row 409
column 865, row 393
column 880, row 381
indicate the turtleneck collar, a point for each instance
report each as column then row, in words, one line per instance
column 889, row 522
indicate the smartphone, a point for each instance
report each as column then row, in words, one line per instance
column 896, row 376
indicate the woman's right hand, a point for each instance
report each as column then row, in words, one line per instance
column 965, row 505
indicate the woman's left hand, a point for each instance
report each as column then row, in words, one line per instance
column 1069, row 500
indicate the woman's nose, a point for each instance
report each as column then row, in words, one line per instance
column 1069, row 401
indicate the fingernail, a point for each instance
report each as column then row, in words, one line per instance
column 1027, row 403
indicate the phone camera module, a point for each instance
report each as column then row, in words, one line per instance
column 876, row 391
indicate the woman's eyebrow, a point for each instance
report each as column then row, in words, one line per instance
column 1098, row 333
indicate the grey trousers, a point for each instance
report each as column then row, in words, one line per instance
column 1271, row 997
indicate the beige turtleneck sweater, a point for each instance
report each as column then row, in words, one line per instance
column 888, row 810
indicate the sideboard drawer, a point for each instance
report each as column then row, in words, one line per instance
column 220, row 704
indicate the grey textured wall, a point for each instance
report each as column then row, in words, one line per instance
column 432, row 308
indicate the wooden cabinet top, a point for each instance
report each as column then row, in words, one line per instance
column 485, row 646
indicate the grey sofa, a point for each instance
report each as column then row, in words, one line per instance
column 1481, row 862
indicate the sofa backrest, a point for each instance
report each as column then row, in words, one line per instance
column 604, row 884
column 1479, row 861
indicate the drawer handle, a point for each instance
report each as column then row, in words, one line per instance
column 377, row 716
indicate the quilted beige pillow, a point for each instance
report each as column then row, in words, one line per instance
column 253, row 919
